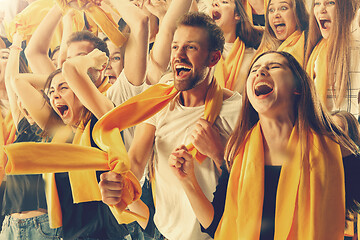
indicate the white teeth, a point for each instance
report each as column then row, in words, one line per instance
column 181, row 66
column 262, row 84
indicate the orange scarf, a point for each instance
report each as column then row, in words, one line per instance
column 102, row 19
column 7, row 136
column 227, row 71
column 28, row 20
column 310, row 201
column 294, row 45
column 318, row 72
column 106, row 134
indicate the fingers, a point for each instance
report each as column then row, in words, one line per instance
column 111, row 186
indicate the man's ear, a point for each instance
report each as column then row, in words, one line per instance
column 214, row 58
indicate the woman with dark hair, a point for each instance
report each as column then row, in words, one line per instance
column 285, row 25
column 328, row 55
column 286, row 161
column 24, row 203
column 241, row 40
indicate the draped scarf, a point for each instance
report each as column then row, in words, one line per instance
column 227, row 71
column 310, row 201
column 29, row 19
column 294, row 45
column 33, row 158
column 317, row 68
column 7, row 135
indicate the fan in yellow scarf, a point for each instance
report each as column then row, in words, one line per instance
column 79, row 103
column 67, row 105
column 280, row 127
column 328, row 57
column 285, row 26
column 242, row 36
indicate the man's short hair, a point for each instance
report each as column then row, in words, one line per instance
column 88, row 36
column 215, row 34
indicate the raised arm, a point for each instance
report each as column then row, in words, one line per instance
column 182, row 164
column 12, row 70
column 141, row 148
column 160, row 55
column 67, row 21
column 38, row 47
column 137, row 45
column 75, row 71
column 27, row 87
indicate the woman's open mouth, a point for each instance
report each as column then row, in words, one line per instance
column 263, row 89
column 63, row 110
column 325, row 23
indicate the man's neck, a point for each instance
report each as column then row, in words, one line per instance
column 196, row 96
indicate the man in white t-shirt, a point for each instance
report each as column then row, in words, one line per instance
column 196, row 48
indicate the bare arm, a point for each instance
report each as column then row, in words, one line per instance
column 26, row 87
column 141, row 148
column 161, row 50
column 182, row 164
column 67, row 31
column 75, row 71
column 137, row 45
column 12, row 70
column 38, row 47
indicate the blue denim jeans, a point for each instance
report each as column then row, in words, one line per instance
column 36, row 228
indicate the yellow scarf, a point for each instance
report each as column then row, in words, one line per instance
column 310, row 201
column 319, row 55
column 294, row 45
column 227, row 71
column 7, row 136
column 27, row 158
column 28, row 20
column 102, row 19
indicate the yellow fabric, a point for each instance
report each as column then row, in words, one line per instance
column 7, row 136
column 103, row 20
column 319, row 55
column 50, row 158
column 28, row 20
column 227, row 71
column 294, row 45
column 105, row 85
column 310, row 201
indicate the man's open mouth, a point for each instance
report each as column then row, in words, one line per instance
column 181, row 70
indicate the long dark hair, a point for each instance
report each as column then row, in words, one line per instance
column 245, row 30
column 309, row 114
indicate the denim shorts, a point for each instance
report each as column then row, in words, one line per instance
column 36, row 228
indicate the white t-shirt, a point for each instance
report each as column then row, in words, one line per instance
column 121, row 91
column 174, row 216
